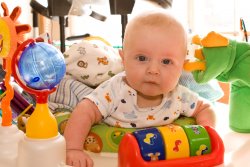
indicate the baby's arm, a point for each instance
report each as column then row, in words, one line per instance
column 204, row 113
column 81, row 120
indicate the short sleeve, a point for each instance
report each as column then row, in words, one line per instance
column 189, row 100
column 105, row 94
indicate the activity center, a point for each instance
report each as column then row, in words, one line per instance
column 31, row 135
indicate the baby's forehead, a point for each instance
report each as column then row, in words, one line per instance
column 160, row 21
column 154, row 18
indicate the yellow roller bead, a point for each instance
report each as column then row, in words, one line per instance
column 176, row 141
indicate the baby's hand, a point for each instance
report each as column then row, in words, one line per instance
column 78, row 158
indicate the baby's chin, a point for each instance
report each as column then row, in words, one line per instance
column 156, row 92
column 150, row 95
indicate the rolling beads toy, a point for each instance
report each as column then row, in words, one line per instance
column 227, row 61
column 172, row 146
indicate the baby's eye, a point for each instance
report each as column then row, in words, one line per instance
column 141, row 58
column 166, row 61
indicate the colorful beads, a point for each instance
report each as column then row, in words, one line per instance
column 151, row 143
column 173, row 141
column 176, row 141
column 199, row 140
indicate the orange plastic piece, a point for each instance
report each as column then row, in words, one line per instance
column 132, row 157
column 11, row 36
column 198, row 54
column 9, row 44
column 193, row 66
column 214, row 39
column 196, row 40
column 6, row 110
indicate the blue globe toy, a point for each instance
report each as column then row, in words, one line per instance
column 41, row 66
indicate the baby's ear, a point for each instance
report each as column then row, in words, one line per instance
column 121, row 54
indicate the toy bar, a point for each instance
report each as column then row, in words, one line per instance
column 172, row 146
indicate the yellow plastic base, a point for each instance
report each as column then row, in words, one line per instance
column 42, row 123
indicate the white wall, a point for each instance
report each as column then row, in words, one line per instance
column 110, row 29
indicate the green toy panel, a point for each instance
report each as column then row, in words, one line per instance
column 104, row 138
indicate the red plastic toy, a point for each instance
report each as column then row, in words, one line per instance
column 129, row 154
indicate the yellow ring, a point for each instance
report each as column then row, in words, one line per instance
column 176, row 141
column 98, row 39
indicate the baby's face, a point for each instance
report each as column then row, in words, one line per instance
column 153, row 60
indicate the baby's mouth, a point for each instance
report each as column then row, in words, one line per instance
column 151, row 82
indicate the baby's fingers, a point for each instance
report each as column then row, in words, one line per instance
column 87, row 162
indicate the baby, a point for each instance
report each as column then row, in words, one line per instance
column 147, row 93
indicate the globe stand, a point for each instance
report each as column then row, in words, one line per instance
column 38, row 142
column 42, row 145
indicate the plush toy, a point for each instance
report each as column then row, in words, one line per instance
column 228, row 61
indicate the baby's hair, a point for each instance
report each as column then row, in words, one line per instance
column 155, row 18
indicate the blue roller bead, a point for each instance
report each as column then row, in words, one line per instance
column 151, row 144
column 41, row 66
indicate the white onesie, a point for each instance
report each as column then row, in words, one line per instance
column 117, row 103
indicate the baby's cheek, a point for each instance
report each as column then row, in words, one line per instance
column 170, row 82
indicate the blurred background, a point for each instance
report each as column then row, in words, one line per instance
column 199, row 16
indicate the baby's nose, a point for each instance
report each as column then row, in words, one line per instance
column 153, row 69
